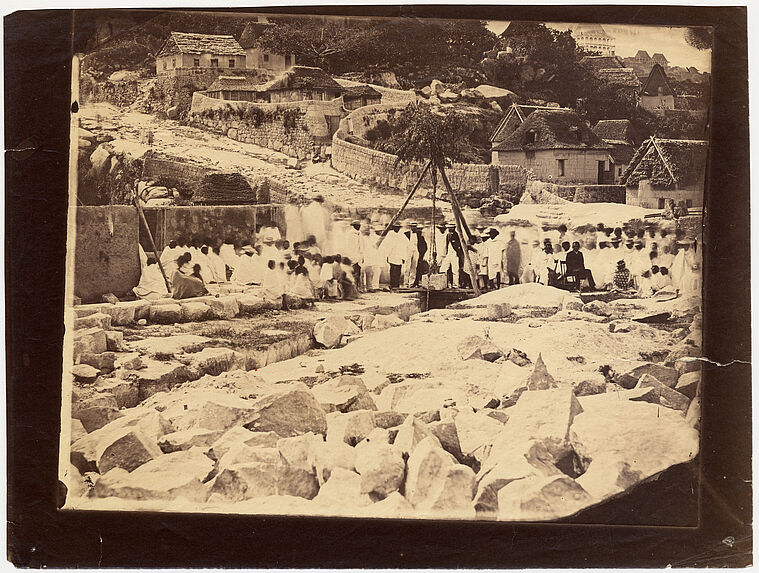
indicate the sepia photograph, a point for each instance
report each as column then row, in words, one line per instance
column 379, row 267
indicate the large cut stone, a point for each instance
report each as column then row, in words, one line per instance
column 95, row 417
column 331, row 455
column 240, row 435
column 394, row 506
column 333, row 399
column 389, row 418
column 90, row 340
column 243, row 454
column 224, row 308
column 476, row 347
column 436, row 483
column 540, row 417
column 447, row 435
column 127, row 448
column 194, row 311
column 97, row 320
column 121, row 314
column 186, row 439
column 689, row 384
column 289, row 412
column 540, row 379
column 245, row 481
column 104, row 361
column 342, row 492
column 410, row 433
column 541, row 498
column 165, row 313
column 252, row 304
column 476, row 433
column 381, row 466
column 160, row 377
column 296, row 472
column 170, row 476
column 126, row 394
column 351, row 427
column 114, row 340
column 363, row 400
column 330, row 331
column 664, row 374
column 85, row 373
column 208, row 409
column 666, row 396
column 214, row 361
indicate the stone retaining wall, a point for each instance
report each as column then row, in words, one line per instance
column 473, row 182
column 296, row 129
column 580, row 193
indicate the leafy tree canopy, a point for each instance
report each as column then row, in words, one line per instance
column 398, row 45
column 543, row 64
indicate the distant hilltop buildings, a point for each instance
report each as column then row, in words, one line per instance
column 593, row 38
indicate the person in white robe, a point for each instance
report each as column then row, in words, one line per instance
column 371, row 260
column 249, row 269
column 494, row 253
column 152, row 286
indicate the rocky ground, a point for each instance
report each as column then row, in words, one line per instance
column 530, row 404
column 101, row 121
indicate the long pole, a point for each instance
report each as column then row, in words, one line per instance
column 398, row 213
column 454, row 200
column 150, row 236
column 460, row 222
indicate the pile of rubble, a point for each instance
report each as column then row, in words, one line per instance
column 439, row 93
column 484, row 420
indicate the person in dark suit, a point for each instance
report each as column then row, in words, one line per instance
column 576, row 266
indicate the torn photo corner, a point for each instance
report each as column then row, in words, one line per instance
column 385, row 268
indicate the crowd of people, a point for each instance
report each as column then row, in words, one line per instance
column 321, row 255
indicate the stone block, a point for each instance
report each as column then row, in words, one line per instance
column 165, row 313
column 664, row 374
column 104, row 361
column 351, row 427
column 127, row 448
column 689, row 384
column 186, row 439
column 666, row 396
column 85, row 373
column 170, row 476
column 224, row 308
column 96, row 320
column 121, row 314
column 194, row 311
column 288, row 412
column 114, row 341
column 91, row 340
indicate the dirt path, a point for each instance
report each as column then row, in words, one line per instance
column 220, row 152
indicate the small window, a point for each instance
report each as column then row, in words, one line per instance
column 231, row 63
column 661, row 203
column 561, row 166
column 288, row 60
column 173, row 62
column 530, row 137
column 214, row 62
column 164, row 65
column 619, row 172
column 689, row 203
column 196, row 62
column 266, row 57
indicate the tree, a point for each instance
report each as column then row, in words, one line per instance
column 420, row 134
column 699, row 38
column 543, row 63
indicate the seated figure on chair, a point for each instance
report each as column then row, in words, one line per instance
column 576, row 267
